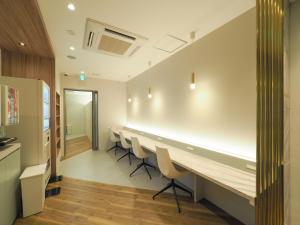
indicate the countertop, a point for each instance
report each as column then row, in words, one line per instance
column 230, row 178
column 8, row 149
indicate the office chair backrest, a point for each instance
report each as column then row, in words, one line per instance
column 137, row 148
column 112, row 136
column 124, row 143
column 164, row 162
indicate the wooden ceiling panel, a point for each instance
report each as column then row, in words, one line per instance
column 21, row 21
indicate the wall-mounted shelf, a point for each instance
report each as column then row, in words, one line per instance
column 57, row 123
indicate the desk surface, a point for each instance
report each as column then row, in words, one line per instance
column 8, row 149
column 230, row 178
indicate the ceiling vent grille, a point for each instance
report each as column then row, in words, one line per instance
column 103, row 38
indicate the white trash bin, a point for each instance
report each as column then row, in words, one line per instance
column 33, row 189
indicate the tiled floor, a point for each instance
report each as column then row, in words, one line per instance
column 101, row 166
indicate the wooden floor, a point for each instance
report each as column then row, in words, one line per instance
column 76, row 146
column 84, row 203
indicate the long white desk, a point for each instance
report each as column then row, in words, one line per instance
column 8, row 149
column 235, row 180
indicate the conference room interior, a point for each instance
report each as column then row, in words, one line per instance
column 162, row 112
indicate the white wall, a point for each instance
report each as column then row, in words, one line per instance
column 75, row 114
column 111, row 103
column 221, row 113
column 295, row 111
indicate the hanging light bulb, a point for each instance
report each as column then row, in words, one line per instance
column 193, row 83
column 149, row 93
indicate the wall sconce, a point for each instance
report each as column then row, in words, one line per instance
column 193, row 83
column 129, row 99
column 149, row 94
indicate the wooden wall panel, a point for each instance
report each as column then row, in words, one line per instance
column 20, row 65
column 16, row 64
column 21, row 21
column 270, row 105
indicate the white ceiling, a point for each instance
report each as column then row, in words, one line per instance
column 150, row 18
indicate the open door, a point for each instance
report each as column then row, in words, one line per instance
column 81, row 121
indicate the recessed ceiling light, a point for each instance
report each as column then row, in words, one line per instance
column 22, row 43
column 71, row 7
column 72, row 48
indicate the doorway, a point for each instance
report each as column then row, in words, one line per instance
column 80, row 121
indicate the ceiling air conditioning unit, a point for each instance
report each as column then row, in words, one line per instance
column 103, row 38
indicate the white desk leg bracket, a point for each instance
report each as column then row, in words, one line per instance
column 198, row 188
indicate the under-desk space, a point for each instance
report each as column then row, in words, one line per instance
column 235, row 180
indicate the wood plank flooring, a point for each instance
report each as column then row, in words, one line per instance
column 90, row 203
column 76, row 146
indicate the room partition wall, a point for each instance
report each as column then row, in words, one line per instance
column 269, row 202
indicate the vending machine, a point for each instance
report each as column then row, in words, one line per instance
column 25, row 111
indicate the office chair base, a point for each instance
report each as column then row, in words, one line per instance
column 145, row 165
column 173, row 185
column 115, row 147
column 129, row 154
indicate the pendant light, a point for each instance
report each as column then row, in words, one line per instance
column 193, row 83
column 129, row 96
column 149, row 90
column 193, row 80
column 149, row 93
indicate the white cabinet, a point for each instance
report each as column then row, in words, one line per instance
column 3, row 196
column 10, row 169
